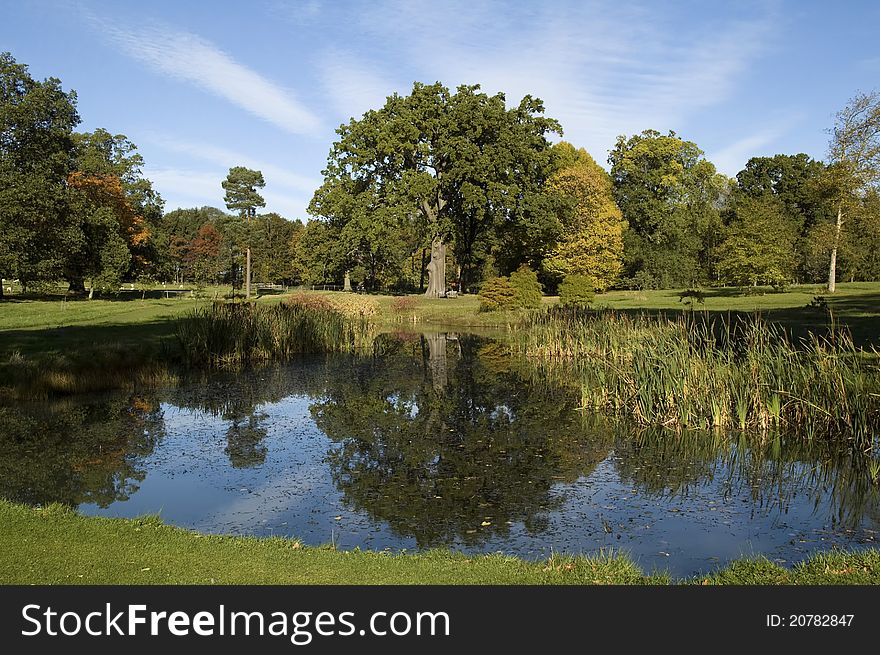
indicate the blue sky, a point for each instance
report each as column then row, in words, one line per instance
column 203, row 86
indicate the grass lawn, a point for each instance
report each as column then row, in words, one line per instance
column 853, row 303
column 55, row 545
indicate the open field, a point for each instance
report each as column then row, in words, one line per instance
column 853, row 304
column 55, row 545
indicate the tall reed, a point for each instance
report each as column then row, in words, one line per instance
column 696, row 372
column 238, row 334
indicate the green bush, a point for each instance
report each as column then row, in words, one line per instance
column 528, row 290
column 497, row 293
column 576, row 291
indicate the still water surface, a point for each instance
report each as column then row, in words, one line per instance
column 438, row 441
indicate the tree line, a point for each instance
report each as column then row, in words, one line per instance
column 440, row 190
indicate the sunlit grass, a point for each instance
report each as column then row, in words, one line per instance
column 55, row 545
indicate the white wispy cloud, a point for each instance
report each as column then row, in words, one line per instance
column 731, row 158
column 191, row 58
column 181, row 187
column 190, row 187
column 225, row 158
column 352, row 85
column 602, row 68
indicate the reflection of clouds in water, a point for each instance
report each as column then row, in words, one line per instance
column 501, row 410
column 285, row 493
column 406, row 403
column 181, row 419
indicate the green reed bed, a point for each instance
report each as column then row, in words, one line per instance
column 238, row 334
column 696, row 372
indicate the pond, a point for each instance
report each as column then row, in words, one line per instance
column 436, row 440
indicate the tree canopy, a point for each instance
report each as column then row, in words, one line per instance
column 457, row 167
column 438, row 180
column 759, row 247
column 241, row 186
column 854, row 163
column 115, row 209
column 36, row 156
column 669, row 194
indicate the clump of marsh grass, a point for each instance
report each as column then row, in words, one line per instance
column 239, row 334
column 691, row 371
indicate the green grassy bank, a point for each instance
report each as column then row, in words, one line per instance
column 55, row 545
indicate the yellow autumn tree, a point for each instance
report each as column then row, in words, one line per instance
column 592, row 224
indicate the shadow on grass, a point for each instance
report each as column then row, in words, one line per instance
column 739, row 292
column 859, row 314
column 147, row 337
column 120, row 296
column 38, row 364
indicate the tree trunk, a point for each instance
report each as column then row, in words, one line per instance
column 346, row 285
column 437, row 270
column 422, row 273
column 247, row 283
column 76, row 285
column 437, row 360
column 832, row 269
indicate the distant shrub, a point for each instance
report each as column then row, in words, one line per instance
column 528, row 290
column 820, row 303
column 576, row 291
column 520, row 291
column 497, row 293
column 641, row 281
column 778, row 280
column 692, row 297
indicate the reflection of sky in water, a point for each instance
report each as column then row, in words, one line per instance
column 714, row 517
column 190, row 482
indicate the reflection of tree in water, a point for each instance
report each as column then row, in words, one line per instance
column 77, row 453
column 443, row 447
column 773, row 472
column 237, row 397
column 244, row 441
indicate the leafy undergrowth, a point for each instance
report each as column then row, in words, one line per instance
column 55, row 545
